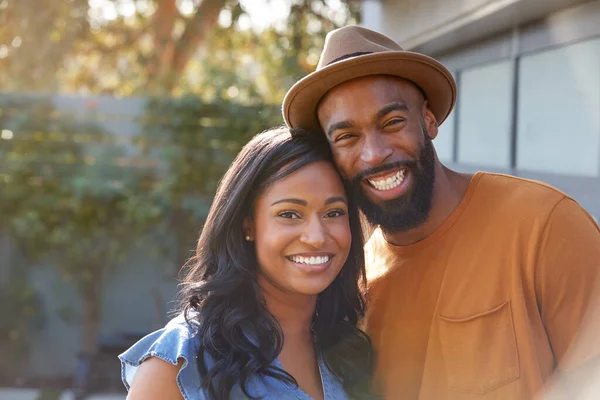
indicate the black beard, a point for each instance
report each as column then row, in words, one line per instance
column 409, row 210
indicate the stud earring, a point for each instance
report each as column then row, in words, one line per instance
column 248, row 239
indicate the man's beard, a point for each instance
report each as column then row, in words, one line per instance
column 412, row 208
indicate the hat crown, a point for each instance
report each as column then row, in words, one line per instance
column 353, row 40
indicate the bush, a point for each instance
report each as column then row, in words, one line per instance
column 22, row 313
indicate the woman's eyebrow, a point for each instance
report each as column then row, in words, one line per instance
column 336, row 199
column 294, row 201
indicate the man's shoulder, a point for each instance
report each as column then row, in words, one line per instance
column 510, row 184
column 518, row 207
column 516, row 195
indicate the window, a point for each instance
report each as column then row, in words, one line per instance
column 485, row 114
column 444, row 142
column 558, row 126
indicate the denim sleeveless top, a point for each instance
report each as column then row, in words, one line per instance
column 177, row 340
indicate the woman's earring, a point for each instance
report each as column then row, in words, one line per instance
column 248, row 238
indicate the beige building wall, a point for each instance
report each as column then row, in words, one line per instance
column 433, row 26
column 412, row 22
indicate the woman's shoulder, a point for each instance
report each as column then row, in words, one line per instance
column 156, row 379
column 177, row 344
column 176, row 340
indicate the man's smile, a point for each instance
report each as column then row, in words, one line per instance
column 387, row 180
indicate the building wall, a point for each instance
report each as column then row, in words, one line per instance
column 129, row 306
column 528, row 100
column 430, row 25
column 409, row 20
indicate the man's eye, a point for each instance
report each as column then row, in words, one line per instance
column 335, row 213
column 393, row 122
column 288, row 215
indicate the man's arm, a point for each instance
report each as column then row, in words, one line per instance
column 568, row 288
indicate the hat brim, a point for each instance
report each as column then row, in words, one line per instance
column 300, row 103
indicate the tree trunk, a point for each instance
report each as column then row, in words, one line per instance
column 163, row 22
column 186, row 233
column 90, row 295
column 195, row 35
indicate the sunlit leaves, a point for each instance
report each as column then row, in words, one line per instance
column 127, row 47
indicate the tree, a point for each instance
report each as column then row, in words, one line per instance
column 156, row 36
column 21, row 310
column 197, row 141
column 157, row 47
column 65, row 197
column 36, row 40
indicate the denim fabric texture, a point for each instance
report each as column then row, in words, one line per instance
column 177, row 340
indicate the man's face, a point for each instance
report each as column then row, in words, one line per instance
column 380, row 132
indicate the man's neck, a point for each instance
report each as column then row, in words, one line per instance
column 448, row 191
column 294, row 312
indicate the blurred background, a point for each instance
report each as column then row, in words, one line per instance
column 118, row 118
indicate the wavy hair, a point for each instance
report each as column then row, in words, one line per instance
column 222, row 298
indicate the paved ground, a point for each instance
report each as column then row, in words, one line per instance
column 29, row 394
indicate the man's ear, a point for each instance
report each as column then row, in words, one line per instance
column 248, row 227
column 431, row 124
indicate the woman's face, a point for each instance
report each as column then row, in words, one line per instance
column 301, row 230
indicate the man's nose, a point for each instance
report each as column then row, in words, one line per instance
column 375, row 150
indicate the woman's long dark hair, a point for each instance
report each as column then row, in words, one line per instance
column 220, row 295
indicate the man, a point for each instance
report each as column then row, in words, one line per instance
column 481, row 286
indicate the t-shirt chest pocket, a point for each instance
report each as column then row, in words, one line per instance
column 480, row 350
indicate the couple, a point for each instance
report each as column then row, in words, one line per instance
column 479, row 286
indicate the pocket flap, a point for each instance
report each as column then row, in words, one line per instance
column 480, row 350
column 472, row 317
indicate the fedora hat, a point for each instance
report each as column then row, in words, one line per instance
column 353, row 52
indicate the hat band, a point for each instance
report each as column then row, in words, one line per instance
column 351, row 55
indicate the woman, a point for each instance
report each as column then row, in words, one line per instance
column 273, row 294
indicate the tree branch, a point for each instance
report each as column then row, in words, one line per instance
column 163, row 23
column 196, row 32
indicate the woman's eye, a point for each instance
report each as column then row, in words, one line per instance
column 343, row 137
column 288, row 215
column 335, row 213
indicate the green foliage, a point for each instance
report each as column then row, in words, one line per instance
column 66, row 197
column 157, row 47
column 63, row 192
column 253, row 66
column 38, row 39
column 21, row 312
column 71, row 196
column 196, row 141
column 49, row 394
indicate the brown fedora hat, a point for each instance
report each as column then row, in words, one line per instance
column 352, row 52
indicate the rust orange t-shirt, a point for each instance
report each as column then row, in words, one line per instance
column 491, row 304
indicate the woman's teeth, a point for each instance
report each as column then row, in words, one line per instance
column 388, row 183
column 310, row 260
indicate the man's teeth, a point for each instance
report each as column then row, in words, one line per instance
column 310, row 260
column 388, row 183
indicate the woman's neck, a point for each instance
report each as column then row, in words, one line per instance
column 294, row 312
